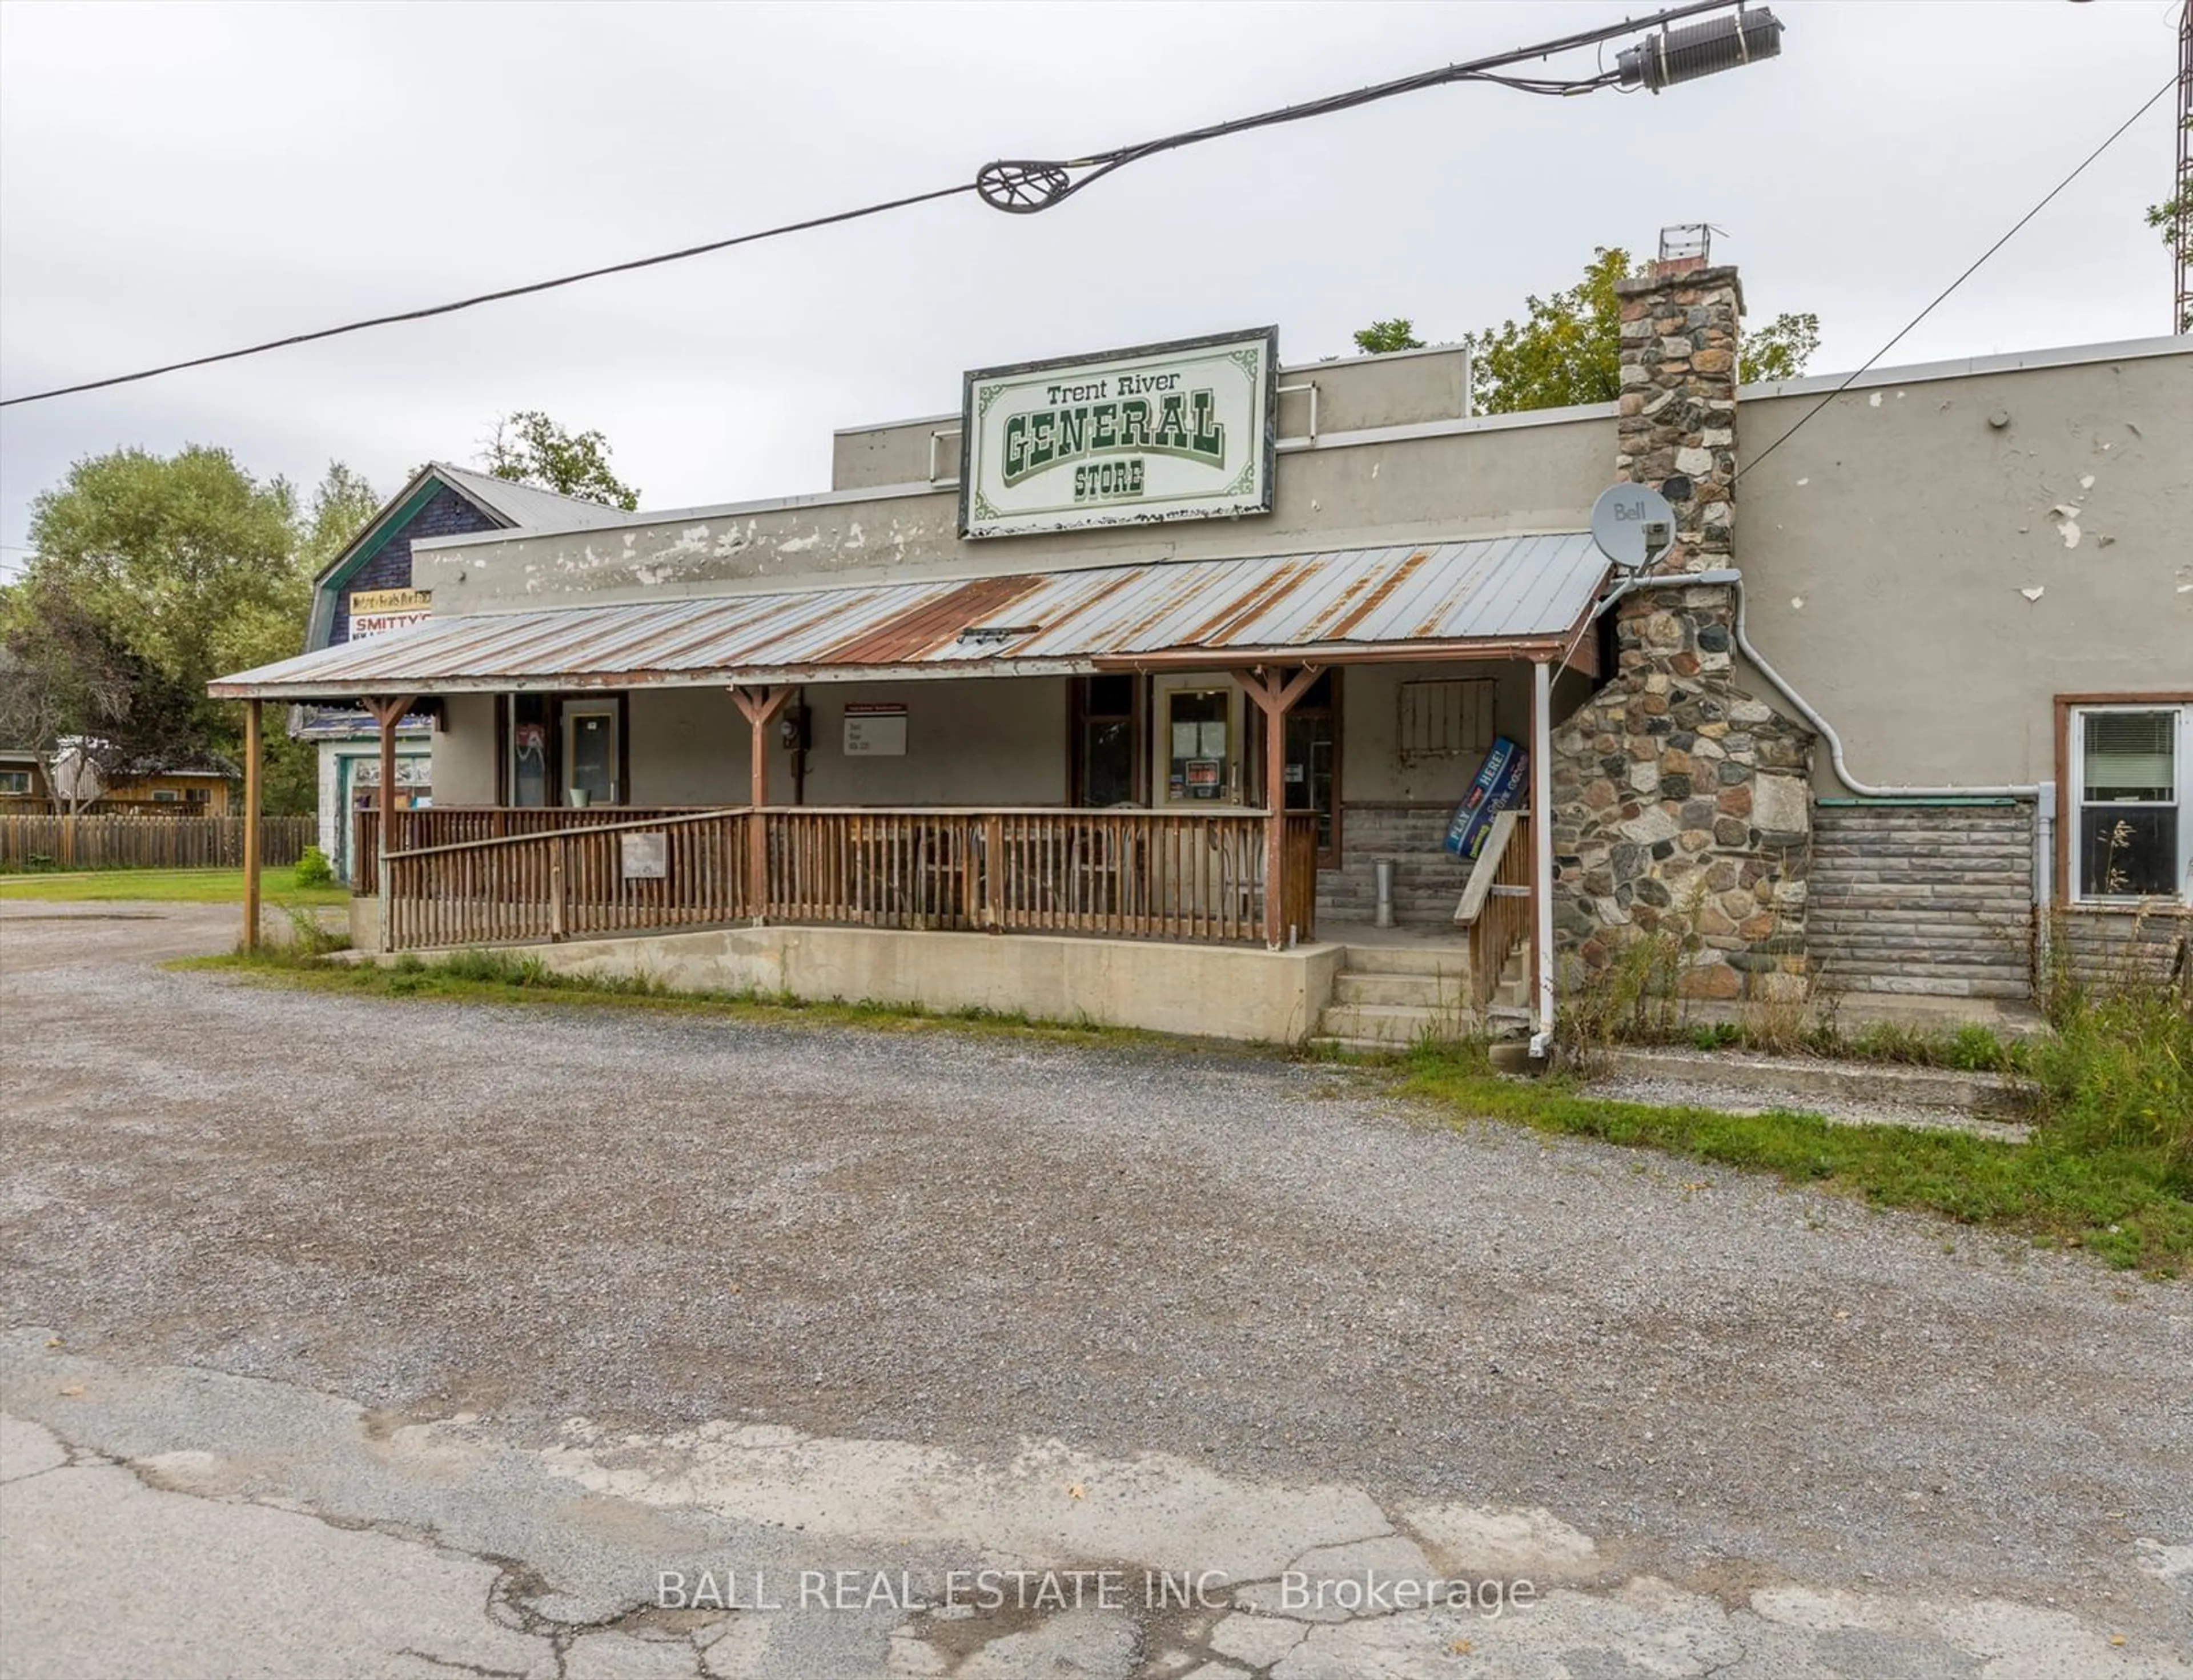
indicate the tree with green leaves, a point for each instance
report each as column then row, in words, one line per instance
column 528, row 447
column 73, row 695
column 186, row 561
column 1568, row 348
column 1383, row 338
column 343, row 504
column 2170, row 218
column 151, row 575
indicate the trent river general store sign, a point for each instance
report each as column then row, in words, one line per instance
column 1181, row 431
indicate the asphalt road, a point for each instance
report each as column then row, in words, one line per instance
column 346, row 1329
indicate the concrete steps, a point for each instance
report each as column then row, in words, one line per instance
column 1388, row 997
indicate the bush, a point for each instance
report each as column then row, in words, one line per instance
column 2118, row 1074
column 313, row 869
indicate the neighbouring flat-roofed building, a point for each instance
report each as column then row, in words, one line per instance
column 1109, row 693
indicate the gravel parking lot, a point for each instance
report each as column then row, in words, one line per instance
column 1271, row 1270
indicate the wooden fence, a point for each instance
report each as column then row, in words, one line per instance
column 1123, row 874
column 101, row 840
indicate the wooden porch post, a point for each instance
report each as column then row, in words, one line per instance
column 387, row 713
column 252, row 800
column 761, row 706
column 1275, row 695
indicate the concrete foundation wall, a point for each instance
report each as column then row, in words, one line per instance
column 1931, row 899
column 1211, row 992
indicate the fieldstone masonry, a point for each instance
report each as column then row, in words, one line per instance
column 1682, row 803
column 1676, row 419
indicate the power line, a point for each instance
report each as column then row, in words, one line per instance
column 1023, row 186
column 2145, row 105
column 451, row 308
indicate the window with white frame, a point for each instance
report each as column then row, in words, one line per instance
column 14, row 781
column 2132, row 821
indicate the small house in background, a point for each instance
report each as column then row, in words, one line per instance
column 366, row 591
column 199, row 784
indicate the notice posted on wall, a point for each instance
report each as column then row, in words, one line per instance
column 875, row 730
column 645, row 857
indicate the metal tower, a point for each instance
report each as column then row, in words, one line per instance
column 2181, row 227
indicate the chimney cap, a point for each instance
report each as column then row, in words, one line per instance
column 1688, row 243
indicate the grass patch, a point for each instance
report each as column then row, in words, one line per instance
column 179, row 886
column 2123, row 1202
column 508, row 977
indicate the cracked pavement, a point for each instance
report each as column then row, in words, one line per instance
column 358, row 1337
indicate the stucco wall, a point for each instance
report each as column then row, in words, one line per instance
column 1355, row 393
column 464, row 751
column 998, row 742
column 688, row 746
column 1909, row 526
column 1511, row 473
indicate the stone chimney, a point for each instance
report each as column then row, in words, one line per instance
column 1682, row 804
column 1675, row 425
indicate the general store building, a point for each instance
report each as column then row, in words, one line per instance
column 1052, row 704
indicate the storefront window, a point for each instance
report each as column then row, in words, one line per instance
column 1198, row 744
column 2132, row 835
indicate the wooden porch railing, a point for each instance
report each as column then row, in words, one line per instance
column 1495, row 903
column 1164, row 875
column 455, row 824
column 568, row 883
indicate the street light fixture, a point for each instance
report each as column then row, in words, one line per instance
column 1700, row 49
column 1023, row 186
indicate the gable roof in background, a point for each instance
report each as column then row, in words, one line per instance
column 506, row 505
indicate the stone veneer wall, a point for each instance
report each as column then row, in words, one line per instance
column 1932, row 898
column 2097, row 946
column 1427, row 880
column 1682, row 804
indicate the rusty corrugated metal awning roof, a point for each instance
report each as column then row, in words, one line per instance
column 1493, row 594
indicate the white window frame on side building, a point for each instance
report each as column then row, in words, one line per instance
column 2076, row 715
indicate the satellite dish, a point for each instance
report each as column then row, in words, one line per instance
column 1633, row 525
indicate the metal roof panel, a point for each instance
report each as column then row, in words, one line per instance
column 1487, row 589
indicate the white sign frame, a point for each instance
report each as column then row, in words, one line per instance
column 1216, row 398
column 875, row 730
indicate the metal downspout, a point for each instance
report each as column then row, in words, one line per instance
column 1542, row 862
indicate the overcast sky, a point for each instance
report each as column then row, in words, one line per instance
column 178, row 179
